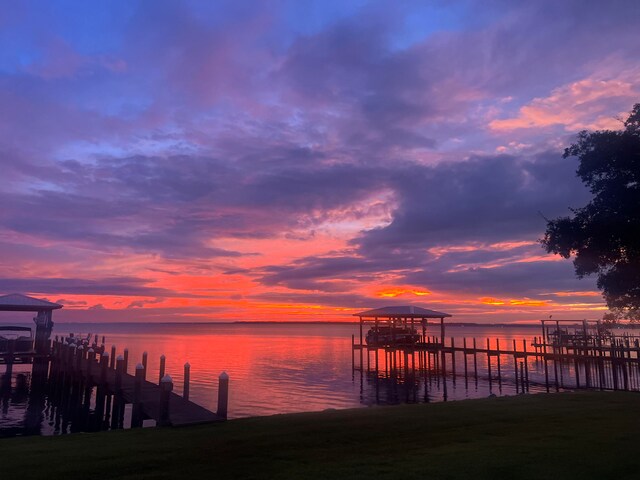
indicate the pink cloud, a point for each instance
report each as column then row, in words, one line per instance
column 586, row 104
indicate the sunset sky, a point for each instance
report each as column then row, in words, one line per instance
column 301, row 160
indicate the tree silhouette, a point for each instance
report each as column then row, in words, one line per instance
column 604, row 236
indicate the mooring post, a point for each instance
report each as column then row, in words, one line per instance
column 475, row 360
column 223, row 395
column 499, row 369
column 163, row 360
column 515, row 363
column 489, row 365
column 464, row 348
column 136, row 420
column 126, row 360
column 119, row 370
column 144, row 364
column 112, row 365
column 185, row 389
column 353, row 352
column 166, row 386
column 104, row 365
column 453, row 361
column 91, row 358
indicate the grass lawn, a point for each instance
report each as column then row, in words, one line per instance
column 561, row 436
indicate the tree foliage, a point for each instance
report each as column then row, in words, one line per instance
column 603, row 237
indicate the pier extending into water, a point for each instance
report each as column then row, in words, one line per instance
column 571, row 354
column 90, row 386
column 78, row 368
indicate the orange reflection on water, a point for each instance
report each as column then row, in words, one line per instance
column 273, row 368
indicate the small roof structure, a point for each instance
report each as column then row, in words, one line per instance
column 16, row 302
column 408, row 311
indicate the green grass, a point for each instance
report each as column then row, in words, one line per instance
column 560, row 436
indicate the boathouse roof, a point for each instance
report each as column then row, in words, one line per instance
column 15, row 302
column 407, row 311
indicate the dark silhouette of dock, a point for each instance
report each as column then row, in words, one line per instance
column 93, row 367
column 598, row 359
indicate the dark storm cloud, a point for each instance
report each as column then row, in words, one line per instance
column 480, row 202
column 515, row 279
column 486, row 199
column 175, row 205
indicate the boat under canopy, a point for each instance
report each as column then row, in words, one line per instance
column 396, row 324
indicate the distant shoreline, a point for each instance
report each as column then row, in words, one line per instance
column 310, row 322
column 274, row 322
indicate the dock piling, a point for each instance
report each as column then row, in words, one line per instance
column 144, row 364
column 163, row 360
column 166, row 386
column 112, row 365
column 136, row 417
column 185, row 389
column 126, row 360
column 223, row 395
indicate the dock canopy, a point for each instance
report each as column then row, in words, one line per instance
column 401, row 315
column 16, row 302
column 408, row 311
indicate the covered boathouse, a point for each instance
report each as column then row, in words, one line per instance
column 43, row 309
column 401, row 316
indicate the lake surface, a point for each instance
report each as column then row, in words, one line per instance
column 275, row 368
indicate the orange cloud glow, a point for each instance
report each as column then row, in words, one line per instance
column 393, row 292
column 526, row 302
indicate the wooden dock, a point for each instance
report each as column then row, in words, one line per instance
column 82, row 369
column 582, row 358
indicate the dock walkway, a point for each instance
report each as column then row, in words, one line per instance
column 150, row 400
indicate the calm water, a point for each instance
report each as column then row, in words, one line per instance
column 274, row 368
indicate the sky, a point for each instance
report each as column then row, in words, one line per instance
column 302, row 160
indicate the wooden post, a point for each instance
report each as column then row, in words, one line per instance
column 126, row 360
column 162, row 365
column 166, row 386
column 464, row 346
column 526, row 363
column 546, row 364
column 353, row 352
column 119, row 370
column 136, row 420
column 586, row 354
column 112, row 365
column 498, row 357
column 623, row 364
column 185, row 389
column 475, row 360
column 515, row 363
column 376, row 354
column 489, row 365
column 104, row 364
column 453, row 361
column 91, row 357
column 360, row 346
column 223, row 395
column 144, row 364
column 522, row 376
